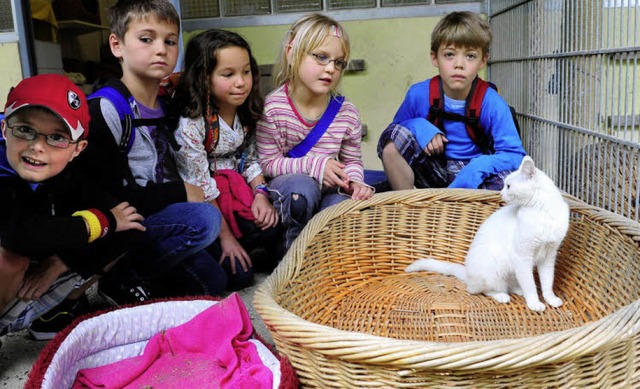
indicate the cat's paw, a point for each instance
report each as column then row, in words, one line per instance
column 503, row 298
column 536, row 305
column 554, row 301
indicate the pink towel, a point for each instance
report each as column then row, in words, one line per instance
column 209, row 351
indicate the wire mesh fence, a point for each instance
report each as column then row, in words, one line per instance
column 570, row 68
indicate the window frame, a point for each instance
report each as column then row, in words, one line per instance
column 11, row 36
column 388, row 12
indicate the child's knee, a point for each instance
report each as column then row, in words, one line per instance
column 299, row 208
column 205, row 220
column 390, row 151
column 213, row 222
column 12, row 263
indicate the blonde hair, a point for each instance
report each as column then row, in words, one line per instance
column 306, row 34
column 465, row 29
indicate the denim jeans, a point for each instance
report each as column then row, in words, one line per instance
column 294, row 212
column 253, row 237
column 173, row 255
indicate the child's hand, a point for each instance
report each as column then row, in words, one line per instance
column 436, row 146
column 265, row 214
column 233, row 250
column 127, row 218
column 334, row 176
column 194, row 193
column 40, row 279
column 360, row 191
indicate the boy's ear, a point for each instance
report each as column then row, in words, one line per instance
column 434, row 59
column 485, row 59
column 4, row 129
column 81, row 145
column 116, row 46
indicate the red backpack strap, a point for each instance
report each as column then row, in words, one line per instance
column 436, row 102
column 473, row 107
column 211, row 132
column 168, row 85
column 472, row 110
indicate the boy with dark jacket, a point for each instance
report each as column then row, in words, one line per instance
column 136, row 160
column 56, row 230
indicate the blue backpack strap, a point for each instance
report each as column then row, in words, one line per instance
column 123, row 106
column 302, row 148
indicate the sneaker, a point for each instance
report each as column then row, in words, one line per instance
column 48, row 325
column 118, row 295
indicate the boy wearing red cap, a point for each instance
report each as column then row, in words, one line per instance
column 56, row 229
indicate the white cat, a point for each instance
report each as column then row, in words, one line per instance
column 527, row 232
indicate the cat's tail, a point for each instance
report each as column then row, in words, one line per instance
column 443, row 267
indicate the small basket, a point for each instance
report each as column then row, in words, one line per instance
column 344, row 312
column 115, row 334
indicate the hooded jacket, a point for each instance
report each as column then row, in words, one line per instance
column 36, row 221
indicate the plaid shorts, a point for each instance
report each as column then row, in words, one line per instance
column 19, row 314
column 430, row 172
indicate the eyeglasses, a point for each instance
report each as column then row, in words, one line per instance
column 323, row 60
column 28, row 133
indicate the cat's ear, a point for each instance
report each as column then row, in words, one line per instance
column 527, row 167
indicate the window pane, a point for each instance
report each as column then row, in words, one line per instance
column 298, row 5
column 195, row 9
column 246, row 7
column 345, row 4
column 6, row 16
column 388, row 3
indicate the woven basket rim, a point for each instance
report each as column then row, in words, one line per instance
column 412, row 355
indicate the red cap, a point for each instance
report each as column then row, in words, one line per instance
column 56, row 93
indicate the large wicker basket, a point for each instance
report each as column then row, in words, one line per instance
column 342, row 309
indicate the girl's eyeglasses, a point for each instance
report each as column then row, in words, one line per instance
column 323, row 60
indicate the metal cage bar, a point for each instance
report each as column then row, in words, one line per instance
column 570, row 68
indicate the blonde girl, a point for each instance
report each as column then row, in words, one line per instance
column 314, row 54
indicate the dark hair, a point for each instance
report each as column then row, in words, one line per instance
column 192, row 93
column 124, row 11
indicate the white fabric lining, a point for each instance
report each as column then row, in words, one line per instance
column 122, row 334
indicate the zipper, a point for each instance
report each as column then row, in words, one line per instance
column 53, row 206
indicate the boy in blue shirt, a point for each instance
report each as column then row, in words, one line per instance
column 416, row 152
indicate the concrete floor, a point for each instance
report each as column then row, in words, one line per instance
column 18, row 352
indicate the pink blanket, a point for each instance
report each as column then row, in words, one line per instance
column 209, row 351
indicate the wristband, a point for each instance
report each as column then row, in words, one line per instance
column 261, row 188
column 98, row 223
column 104, row 222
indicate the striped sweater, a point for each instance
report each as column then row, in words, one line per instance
column 281, row 128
